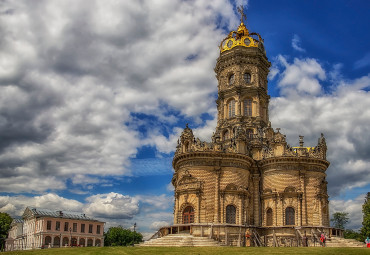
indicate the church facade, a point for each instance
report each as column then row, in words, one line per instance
column 248, row 185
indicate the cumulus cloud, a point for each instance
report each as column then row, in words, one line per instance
column 301, row 77
column 69, row 86
column 112, row 206
column 341, row 113
column 353, row 207
column 296, row 43
column 15, row 205
column 158, row 224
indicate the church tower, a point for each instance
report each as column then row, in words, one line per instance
column 242, row 103
column 248, row 181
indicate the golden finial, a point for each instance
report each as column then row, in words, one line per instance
column 242, row 14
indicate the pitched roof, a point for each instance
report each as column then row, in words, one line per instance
column 59, row 214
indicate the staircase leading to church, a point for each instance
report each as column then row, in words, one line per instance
column 341, row 242
column 181, row 240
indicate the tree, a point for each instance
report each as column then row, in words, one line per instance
column 118, row 236
column 5, row 221
column 365, row 230
column 340, row 219
column 351, row 234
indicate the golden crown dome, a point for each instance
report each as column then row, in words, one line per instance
column 241, row 37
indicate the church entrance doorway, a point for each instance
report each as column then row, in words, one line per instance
column 188, row 215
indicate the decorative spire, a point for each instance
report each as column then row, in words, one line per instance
column 242, row 14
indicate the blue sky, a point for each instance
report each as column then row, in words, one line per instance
column 93, row 97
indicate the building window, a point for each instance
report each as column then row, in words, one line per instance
column 226, row 135
column 231, row 108
column 188, row 215
column 82, row 228
column 247, row 107
column 247, row 77
column 74, row 227
column 98, row 229
column 90, row 228
column 57, row 225
column 249, row 133
column 231, row 214
column 289, row 216
column 48, row 225
column 231, row 79
column 65, row 226
column 269, row 217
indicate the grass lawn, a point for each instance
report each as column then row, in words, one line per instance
column 193, row 250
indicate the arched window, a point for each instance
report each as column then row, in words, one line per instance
column 230, row 214
column 97, row 242
column 231, row 79
column 74, row 241
column 249, row 133
column 226, row 135
column 289, row 216
column 47, row 240
column 82, row 242
column 231, row 108
column 247, row 107
column 56, row 241
column 65, row 241
column 188, row 215
column 269, row 217
column 89, row 242
column 247, row 77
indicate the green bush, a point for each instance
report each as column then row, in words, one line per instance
column 118, row 236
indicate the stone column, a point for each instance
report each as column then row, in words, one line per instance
column 320, row 211
column 240, row 205
column 299, row 211
column 302, row 180
column 198, row 207
column 225, row 109
column 222, row 195
column 256, row 198
column 275, row 199
column 216, row 217
column 176, row 216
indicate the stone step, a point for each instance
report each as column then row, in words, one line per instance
column 181, row 240
column 342, row 242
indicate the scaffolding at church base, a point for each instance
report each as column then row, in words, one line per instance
column 252, row 236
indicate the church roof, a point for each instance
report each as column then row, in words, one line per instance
column 242, row 37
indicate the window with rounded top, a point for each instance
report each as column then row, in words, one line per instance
column 289, row 216
column 231, row 108
column 188, row 215
column 247, row 77
column 247, row 107
column 230, row 214
column 269, row 217
column 231, row 79
column 226, row 135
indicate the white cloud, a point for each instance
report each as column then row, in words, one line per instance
column 351, row 206
column 71, row 84
column 296, row 43
column 342, row 114
column 158, row 224
column 112, row 206
column 15, row 205
column 302, row 77
column 160, row 202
